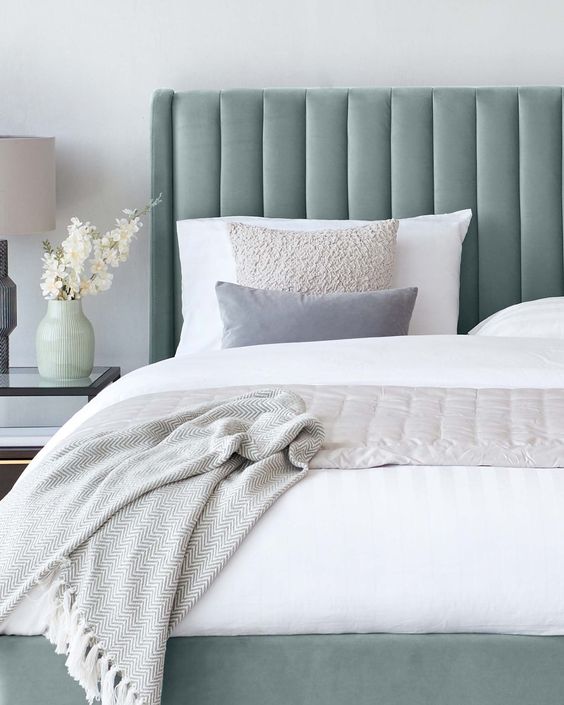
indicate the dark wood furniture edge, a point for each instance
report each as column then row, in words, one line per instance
column 15, row 453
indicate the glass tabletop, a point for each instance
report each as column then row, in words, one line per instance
column 29, row 378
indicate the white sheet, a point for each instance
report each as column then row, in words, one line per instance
column 395, row 549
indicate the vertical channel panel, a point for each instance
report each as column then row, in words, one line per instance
column 197, row 154
column 540, row 148
column 326, row 153
column 284, row 155
column 499, row 222
column 369, row 157
column 412, row 152
column 241, row 152
column 454, row 158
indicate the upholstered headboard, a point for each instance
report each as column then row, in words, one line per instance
column 368, row 153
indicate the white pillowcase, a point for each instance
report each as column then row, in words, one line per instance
column 542, row 318
column 428, row 255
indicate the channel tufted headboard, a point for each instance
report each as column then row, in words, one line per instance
column 368, row 153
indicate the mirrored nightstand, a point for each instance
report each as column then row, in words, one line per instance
column 32, row 409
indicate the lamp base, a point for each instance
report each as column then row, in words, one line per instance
column 4, row 355
column 8, row 308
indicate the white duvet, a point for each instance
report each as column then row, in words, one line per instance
column 390, row 549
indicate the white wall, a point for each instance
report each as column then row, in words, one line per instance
column 84, row 71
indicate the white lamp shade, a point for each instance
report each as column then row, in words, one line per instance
column 27, row 185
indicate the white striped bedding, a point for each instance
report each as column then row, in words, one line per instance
column 393, row 549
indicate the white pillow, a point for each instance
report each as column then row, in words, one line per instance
column 543, row 318
column 428, row 255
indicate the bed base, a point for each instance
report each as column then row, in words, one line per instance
column 341, row 669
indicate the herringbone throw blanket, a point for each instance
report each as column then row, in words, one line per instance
column 132, row 525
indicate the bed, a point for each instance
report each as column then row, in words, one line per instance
column 367, row 154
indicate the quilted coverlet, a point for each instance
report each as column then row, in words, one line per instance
column 372, row 425
column 130, row 523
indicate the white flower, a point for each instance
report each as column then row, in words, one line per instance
column 78, row 245
column 52, row 266
column 98, row 265
column 64, row 277
column 51, row 287
column 87, row 287
column 103, row 281
column 112, row 257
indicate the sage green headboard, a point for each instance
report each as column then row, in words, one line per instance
column 368, row 153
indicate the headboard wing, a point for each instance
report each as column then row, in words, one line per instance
column 368, row 153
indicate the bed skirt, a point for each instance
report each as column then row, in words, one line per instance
column 339, row 669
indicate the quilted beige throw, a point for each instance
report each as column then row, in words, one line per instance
column 132, row 525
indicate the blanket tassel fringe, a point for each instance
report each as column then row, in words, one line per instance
column 86, row 660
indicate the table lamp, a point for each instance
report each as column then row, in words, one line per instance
column 27, row 205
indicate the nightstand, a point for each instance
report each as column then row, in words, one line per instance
column 26, row 424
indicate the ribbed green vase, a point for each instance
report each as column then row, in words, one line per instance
column 65, row 342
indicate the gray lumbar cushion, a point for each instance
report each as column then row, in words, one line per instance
column 259, row 316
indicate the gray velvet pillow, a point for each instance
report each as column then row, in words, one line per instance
column 259, row 316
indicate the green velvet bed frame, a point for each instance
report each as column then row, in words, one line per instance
column 352, row 153
column 339, row 669
column 368, row 153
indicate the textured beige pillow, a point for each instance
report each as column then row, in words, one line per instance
column 315, row 262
